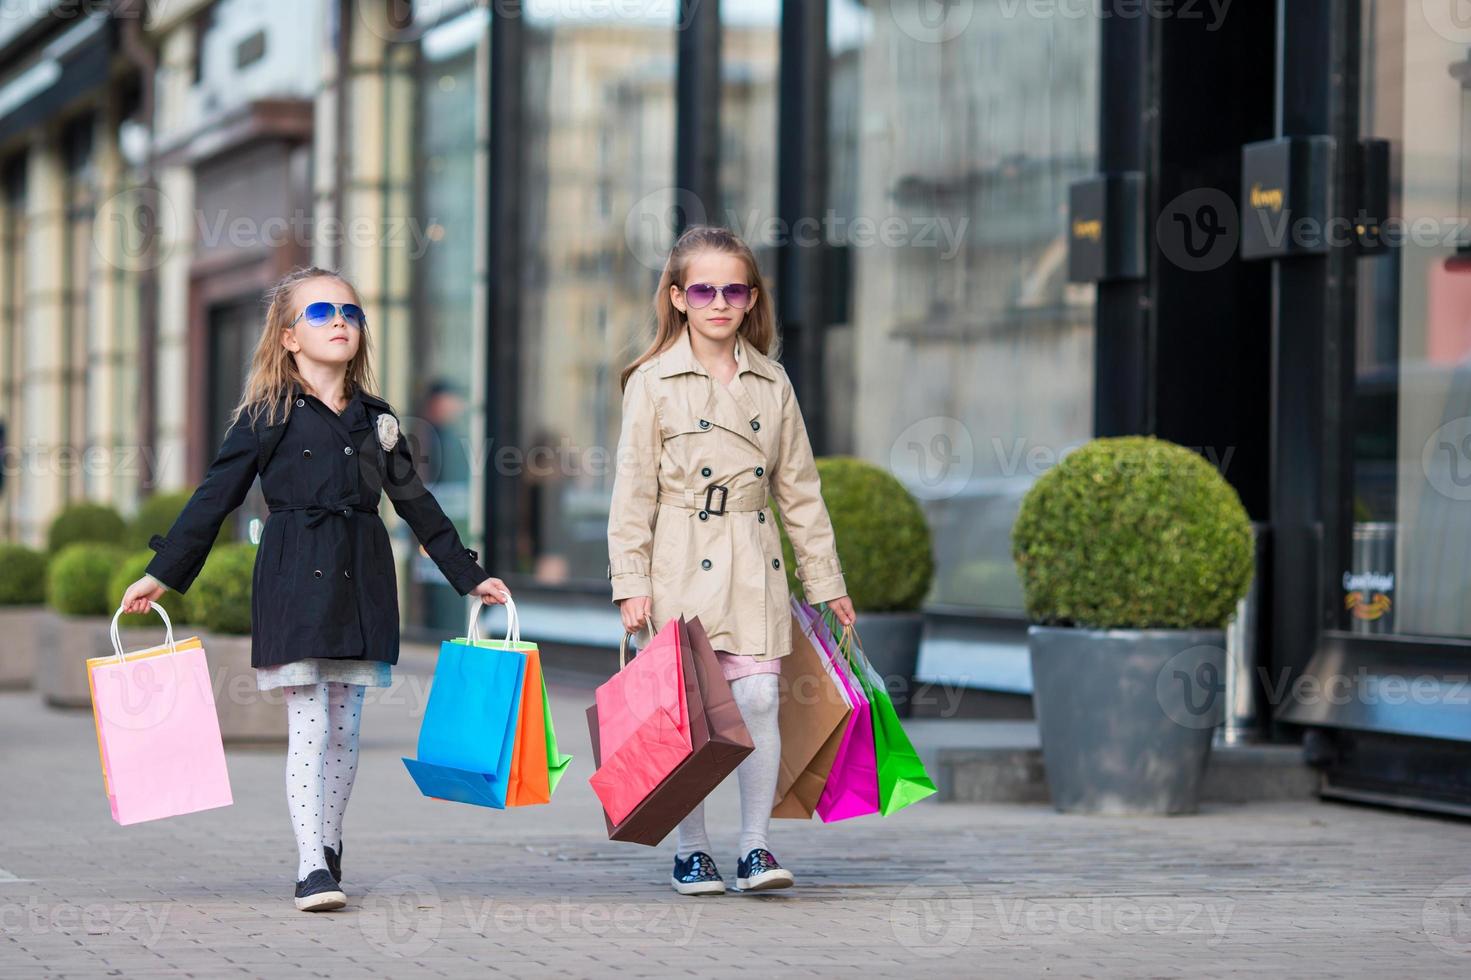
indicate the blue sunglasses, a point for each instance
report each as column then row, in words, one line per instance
column 321, row 314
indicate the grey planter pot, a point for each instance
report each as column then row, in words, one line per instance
column 247, row 716
column 1126, row 716
column 891, row 643
column 20, row 638
column 65, row 643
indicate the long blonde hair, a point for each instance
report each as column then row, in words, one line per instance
column 758, row 327
column 273, row 370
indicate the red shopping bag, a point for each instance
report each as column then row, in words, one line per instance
column 643, row 723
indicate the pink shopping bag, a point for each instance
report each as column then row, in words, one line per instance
column 852, row 788
column 158, row 735
column 643, row 723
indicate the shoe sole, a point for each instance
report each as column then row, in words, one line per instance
column 321, row 902
column 698, row 887
column 767, row 881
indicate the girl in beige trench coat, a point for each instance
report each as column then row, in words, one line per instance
column 710, row 427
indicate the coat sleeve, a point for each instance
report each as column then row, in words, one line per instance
column 635, row 493
column 436, row 532
column 798, row 492
column 181, row 554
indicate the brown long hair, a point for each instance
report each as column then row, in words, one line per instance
column 273, row 370
column 758, row 327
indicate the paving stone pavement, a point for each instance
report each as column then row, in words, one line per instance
column 441, row 889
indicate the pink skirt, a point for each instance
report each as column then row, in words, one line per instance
column 734, row 665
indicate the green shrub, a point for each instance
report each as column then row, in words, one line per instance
column 882, row 536
column 79, row 577
column 130, row 571
column 85, row 522
column 157, row 514
column 1132, row 533
column 22, row 576
column 220, row 597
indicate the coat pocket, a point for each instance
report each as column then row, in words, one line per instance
column 285, row 540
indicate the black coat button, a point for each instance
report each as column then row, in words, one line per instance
column 761, row 516
column 755, row 426
column 318, row 573
column 347, row 574
column 306, row 454
column 704, row 515
column 760, row 471
column 705, row 564
column 705, row 471
column 704, row 423
column 776, row 563
column 300, row 402
column 347, row 450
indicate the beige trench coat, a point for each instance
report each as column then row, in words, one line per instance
column 685, row 433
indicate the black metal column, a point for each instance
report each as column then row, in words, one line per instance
column 697, row 111
column 1123, row 353
column 802, row 193
column 503, row 259
column 1312, row 337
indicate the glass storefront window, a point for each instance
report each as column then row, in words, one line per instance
column 599, row 172
column 1412, row 412
column 79, row 191
column 12, row 311
column 959, row 357
column 450, row 198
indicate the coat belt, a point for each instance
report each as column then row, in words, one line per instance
column 750, row 499
column 317, row 513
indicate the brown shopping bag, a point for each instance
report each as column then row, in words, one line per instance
column 718, row 737
column 812, row 718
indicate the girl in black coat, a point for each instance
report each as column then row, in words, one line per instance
column 324, row 606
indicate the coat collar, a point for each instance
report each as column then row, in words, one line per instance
column 679, row 358
column 368, row 399
column 357, row 414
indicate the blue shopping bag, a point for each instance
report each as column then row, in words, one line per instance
column 469, row 728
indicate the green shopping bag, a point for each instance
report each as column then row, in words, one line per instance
column 902, row 777
column 556, row 761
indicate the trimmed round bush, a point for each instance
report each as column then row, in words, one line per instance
column 85, row 522
column 157, row 514
column 882, row 535
column 130, row 571
column 79, row 577
column 1132, row 533
column 22, row 576
column 220, row 597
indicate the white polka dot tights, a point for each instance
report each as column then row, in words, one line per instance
column 323, row 721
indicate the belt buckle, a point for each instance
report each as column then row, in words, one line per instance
column 710, row 495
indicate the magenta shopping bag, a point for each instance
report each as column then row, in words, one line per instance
column 157, row 731
column 852, row 788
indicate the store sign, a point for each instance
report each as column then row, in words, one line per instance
column 1368, row 596
column 1284, row 197
column 1106, row 228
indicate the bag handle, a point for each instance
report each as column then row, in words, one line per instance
column 117, row 643
column 623, row 646
column 513, row 620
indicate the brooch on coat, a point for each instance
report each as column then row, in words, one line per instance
column 387, row 432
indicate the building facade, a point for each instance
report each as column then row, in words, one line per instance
column 502, row 182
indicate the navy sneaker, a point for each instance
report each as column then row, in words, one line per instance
column 759, row 871
column 334, row 861
column 319, row 893
column 696, row 875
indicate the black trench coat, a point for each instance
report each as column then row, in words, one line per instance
column 324, row 580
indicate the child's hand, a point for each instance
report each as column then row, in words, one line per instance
column 842, row 608
column 492, row 592
column 636, row 611
column 147, row 589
